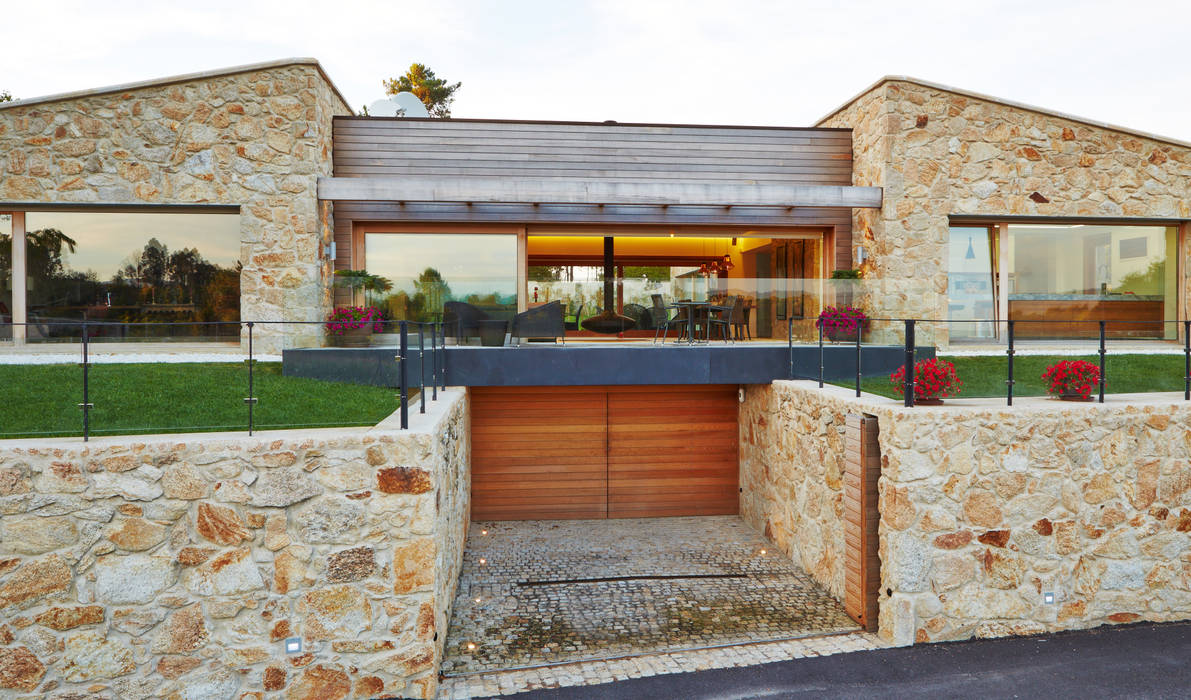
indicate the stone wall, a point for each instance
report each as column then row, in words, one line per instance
column 984, row 508
column 258, row 139
column 791, row 478
column 938, row 154
column 177, row 566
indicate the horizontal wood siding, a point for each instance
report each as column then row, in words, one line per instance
column 672, row 451
column 539, row 453
column 862, row 566
column 603, row 451
column 576, row 151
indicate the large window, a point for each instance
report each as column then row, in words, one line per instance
column 120, row 270
column 425, row 270
column 6, row 278
column 1062, row 279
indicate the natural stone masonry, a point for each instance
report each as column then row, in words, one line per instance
column 938, row 154
column 985, row 509
column 145, row 574
column 547, row 591
column 259, row 139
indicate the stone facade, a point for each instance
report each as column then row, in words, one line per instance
column 985, row 509
column 791, row 479
column 256, row 138
column 939, row 153
column 177, row 566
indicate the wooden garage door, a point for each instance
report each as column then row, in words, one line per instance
column 595, row 452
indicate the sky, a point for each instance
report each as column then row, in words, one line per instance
column 690, row 61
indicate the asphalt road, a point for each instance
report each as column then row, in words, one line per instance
column 1137, row 661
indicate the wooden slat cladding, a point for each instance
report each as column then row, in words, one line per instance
column 539, row 453
column 862, row 469
column 376, row 147
column 595, row 452
column 672, row 451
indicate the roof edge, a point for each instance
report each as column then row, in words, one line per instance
column 184, row 78
column 1002, row 101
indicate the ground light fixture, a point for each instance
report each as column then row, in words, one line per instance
column 483, row 562
column 471, row 646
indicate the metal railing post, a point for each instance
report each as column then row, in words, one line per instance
column 908, row 398
column 86, row 405
column 403, row 352
column 857, row 360
column 1009, row 362
column 434, row 361
column 1187, row 360
column 1103, row 325
column 820, row 355
column 442, row 370
column 421, row 368
column 790, row 345
column 251, row 400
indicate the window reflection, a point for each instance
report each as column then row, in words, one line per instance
column 6, row 278
column 117, row 269
column 427, row 270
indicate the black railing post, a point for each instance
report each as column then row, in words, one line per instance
column 1103, row 324
column 790, row 345
column 1187, row 360
column 251, row 400
column 86, row 405
column 442, row 368
column 820, row 354
column 421, row 368
column 403, row 352
column 908, row 398
column 1009, row 362
column 434, row 361
column 857, row 360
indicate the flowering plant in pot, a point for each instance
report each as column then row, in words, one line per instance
column 841, row 322
column 1071, row 380
column 934, row 380
column 351, row 326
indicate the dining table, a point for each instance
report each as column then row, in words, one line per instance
column 692, row 308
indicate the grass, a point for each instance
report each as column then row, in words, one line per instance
column 985, row 376
column 42, row 400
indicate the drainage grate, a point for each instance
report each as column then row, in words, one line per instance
column 645, row 577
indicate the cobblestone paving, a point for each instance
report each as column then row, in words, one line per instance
column 538, row 592
column 497, row 683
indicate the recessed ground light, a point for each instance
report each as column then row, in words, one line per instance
column 471, row 646
column 763, row 552
column 483, row 561
column 483, row 532
column 477, row 600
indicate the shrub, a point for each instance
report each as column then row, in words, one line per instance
column 345, row 318
column 933, row 379
column 1072, row 377
column 841, row 320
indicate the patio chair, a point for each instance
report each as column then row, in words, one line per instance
column 461, row 320
column 571, row 322
column 724, row 320
column 662, row 329
column 545, row 321
column 640, row 314
column 740, row 320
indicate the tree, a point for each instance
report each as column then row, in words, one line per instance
column 6, row 96
column 433, row 289
column 434, row 92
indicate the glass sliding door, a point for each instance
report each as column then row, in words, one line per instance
column 426, row 270
column 971, row 283
column 1063, row 279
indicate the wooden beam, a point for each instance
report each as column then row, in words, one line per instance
column 577, row 191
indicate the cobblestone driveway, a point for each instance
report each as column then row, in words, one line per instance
column 551, row 591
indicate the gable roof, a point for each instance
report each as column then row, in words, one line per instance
column 1002, row 101
column 185, row 78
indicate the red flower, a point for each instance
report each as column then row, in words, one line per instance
column 933, row 379
column 1072, row 377
column 345, row 318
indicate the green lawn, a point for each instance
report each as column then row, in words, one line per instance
column 41, row 400
column 985, row 376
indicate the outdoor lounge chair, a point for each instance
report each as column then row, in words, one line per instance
column 640, row 314
column 545, row 321
column 461, row 320
column 571, row 322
